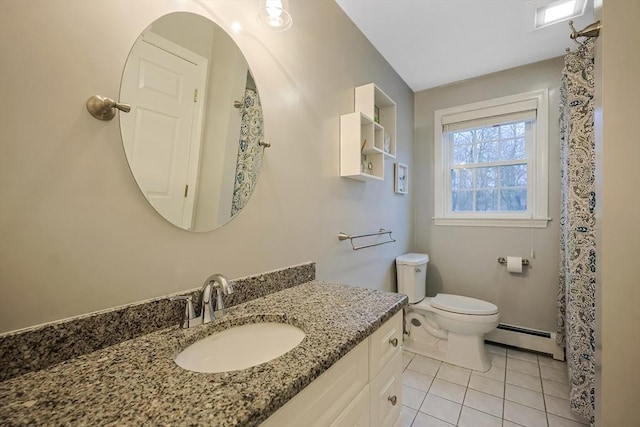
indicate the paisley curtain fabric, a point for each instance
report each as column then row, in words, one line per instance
column 249, row 150
column 576, row 291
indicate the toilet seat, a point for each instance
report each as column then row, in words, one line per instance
column 426, row 305
column 463, row 305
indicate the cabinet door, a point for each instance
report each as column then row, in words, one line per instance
column 325, row 398
column 357, row 413
column 385, row 343
column 386, row 394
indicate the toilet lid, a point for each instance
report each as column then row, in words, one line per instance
column 463, row 305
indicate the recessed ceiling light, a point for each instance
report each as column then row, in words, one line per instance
column 559, row 11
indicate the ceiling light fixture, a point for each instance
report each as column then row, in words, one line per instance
column 275, row 14
column 558, row 11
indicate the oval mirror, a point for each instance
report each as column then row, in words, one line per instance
column 193, row 138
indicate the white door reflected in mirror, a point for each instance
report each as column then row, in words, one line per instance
column 162, row 141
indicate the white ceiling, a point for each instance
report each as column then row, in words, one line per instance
column 435, row 42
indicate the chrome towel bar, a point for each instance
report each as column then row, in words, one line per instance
column 345, row 236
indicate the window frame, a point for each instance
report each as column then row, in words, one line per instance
column 537, row 160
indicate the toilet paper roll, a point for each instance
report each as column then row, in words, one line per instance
column 514, row 264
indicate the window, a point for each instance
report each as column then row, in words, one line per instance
column 491, row 162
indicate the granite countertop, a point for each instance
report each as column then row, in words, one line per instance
column 137, row 382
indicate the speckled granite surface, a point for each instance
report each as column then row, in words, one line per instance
column 48, row 345
column 136, row 382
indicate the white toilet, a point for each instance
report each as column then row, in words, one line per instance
column 446, row 327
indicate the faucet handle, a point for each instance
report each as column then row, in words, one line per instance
column 189, row 313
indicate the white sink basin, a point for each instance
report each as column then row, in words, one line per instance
column 240, row 347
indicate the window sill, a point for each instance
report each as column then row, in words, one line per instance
column 493, row 222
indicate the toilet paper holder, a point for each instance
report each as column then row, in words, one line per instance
column 503, row 260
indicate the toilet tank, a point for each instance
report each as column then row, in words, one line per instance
column 412, row 276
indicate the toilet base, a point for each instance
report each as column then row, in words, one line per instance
column 422, row 343
column 466, row 351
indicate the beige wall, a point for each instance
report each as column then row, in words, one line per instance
column 76, row 233
column 463, row 260
column 618, row 214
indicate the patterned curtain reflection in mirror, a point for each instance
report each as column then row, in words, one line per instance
column 249, row 150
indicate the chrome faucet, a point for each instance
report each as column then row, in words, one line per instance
column 207, row 313
column 222, row 286
column 214, row 303
column 211, row 300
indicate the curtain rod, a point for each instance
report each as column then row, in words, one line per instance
column 592, row 30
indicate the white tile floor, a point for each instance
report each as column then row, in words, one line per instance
column 520, row 389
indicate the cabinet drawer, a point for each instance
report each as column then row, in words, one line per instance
column 357, row 413
column 325, row 398
column 381, row 344
column 386, row 394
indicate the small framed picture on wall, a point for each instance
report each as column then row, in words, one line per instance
column 401, row 178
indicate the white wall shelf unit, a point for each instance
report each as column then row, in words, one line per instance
column 373, row 102
column 360, row 157
column 368, row 135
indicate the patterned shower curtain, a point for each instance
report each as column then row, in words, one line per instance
column 576, row 292
column 250, row 152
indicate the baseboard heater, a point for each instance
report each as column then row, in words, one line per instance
column 528, row 339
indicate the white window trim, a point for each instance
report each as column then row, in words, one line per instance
column 538, row 217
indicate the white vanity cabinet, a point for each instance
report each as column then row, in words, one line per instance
column 361, row 389
column 385, row 372
column 368, row 135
